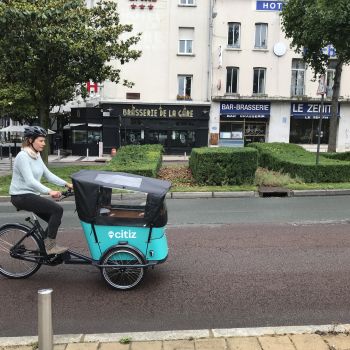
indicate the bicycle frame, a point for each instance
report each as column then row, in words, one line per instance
column 70, row 257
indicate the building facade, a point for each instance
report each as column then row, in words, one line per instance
column 170, row 100
column 212, row 72
column 262, row 90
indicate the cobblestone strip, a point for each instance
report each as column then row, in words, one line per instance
column 243, row 343
column 276, row 343
column 338, row 342
column 308, row 342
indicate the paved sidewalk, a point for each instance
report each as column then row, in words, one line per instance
column 328, row 337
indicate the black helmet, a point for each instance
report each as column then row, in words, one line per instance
column 34, row 132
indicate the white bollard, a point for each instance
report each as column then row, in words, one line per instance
column 45, row 334
column 185, row 155
column 58, row 154
column 87, row 154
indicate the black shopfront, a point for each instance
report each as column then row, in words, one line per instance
column 179, row 128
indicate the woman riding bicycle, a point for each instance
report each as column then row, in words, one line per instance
column 25, row 188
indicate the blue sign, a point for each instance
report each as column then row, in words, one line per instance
column 311, row 110
column 245, row 109
column 269, row 5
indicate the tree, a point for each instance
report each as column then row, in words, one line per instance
column 313, row 25
column 16, row 103
column 53, row 47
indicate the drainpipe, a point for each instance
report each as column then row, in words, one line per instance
column 210, row 48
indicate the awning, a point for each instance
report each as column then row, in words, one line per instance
column 93, row 125
column 14, row 128
column 72, row 125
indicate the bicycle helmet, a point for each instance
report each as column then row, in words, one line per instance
column 34, row 132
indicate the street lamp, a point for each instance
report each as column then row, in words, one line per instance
column 320, row 91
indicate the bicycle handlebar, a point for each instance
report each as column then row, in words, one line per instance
column 66, row 194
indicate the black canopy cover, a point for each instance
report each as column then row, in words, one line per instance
column 88, row 185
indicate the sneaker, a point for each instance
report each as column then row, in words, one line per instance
column 52, row 248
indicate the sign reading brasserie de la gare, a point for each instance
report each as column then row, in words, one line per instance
column 245, row 108
column 269, row 5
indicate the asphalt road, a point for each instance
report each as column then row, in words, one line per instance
column 284, row 269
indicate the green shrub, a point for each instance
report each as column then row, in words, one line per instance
column 339, row 156
column 296, row 161
column 144, row 160
column 223, row 165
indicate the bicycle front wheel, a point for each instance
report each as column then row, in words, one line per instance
column 19, row 252
column 124, row 271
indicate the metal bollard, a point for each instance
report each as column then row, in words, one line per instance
column 10, row 155
column 45, row 335
column 87, row 154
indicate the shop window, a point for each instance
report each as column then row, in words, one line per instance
column 298, row 77
column 330, row 77
column 186, row 36
column 184, row 87
column 232, row 80
column 305, row 131
column 260, row 36
column 230, row 130
column 94, row 136
column 79, row 136
column 182, row 138
column 259, row 80
column 234, row 35
column 132, row 137
column 157, row 136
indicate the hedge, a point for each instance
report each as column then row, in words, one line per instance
column 223, row 165
column 339, row 156
column 296, row 161
column 144, row 160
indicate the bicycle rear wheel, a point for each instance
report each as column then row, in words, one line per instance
column 122, row 274
column 19, row 254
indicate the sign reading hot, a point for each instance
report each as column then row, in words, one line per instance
column 269, row 5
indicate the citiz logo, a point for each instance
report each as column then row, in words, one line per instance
column 122, row 234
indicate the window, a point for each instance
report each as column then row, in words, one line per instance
column 234, row 35
column 232, row 80
column 330, row 77
column 305, row 131
column 187, row 2
column 298, row 77
column 259, row 80
column 185, row 84
column 261, row 36
column 186, row 40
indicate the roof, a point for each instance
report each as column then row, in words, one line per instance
column 122, row 181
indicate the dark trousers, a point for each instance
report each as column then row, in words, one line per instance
column 46, row 209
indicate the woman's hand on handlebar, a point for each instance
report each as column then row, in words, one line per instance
column 69, row 186
column 55, row 194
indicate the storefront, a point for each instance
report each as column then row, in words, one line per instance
column 304, row 122
column 243, row 122
column 178, row 128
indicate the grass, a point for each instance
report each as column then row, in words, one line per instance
column 182, row 180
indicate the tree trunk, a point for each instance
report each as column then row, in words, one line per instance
column 44, row 116
column 333, row 125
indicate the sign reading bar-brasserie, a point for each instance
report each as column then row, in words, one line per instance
column 245, row 108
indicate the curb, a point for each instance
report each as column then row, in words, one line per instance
column 198, row 195
column 181, row 335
